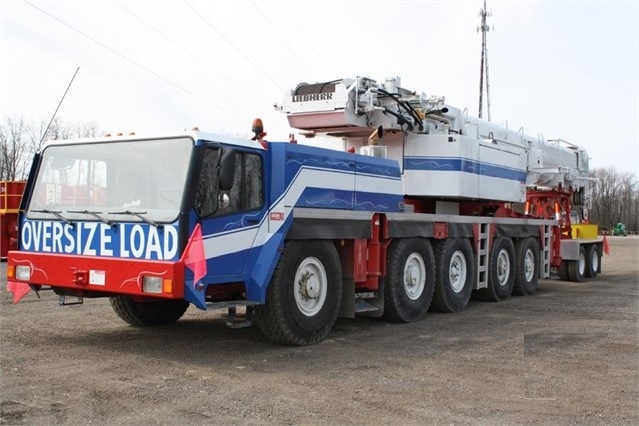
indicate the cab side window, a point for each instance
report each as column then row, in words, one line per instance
column 206, row 195
column 247, row 192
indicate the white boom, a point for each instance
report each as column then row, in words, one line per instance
column 443, row 151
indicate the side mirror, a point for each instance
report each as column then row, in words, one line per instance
column 227, row 169
column 223, row 201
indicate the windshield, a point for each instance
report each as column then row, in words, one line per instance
column 131, row 181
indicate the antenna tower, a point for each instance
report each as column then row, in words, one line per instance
column 484, row 28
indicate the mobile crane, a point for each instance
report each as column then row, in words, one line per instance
column 431, row 207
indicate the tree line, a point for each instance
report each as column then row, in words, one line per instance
column 615, row 195
column 615, row 198
column 21, row 139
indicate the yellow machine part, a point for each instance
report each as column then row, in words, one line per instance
column 585, row 231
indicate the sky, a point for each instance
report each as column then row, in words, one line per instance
column 560, row 69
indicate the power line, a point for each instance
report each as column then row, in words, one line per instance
column 137, row 64
column 187, row 51
column 237, row 49
column 326, row 64
column 280, row 36
column 161, row 34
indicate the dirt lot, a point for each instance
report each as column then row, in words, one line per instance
column 567, row 355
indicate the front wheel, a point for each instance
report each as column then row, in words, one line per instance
column 304, row 295
column 148, row 314
column 410, row 280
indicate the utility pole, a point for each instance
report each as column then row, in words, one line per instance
column 484, row 28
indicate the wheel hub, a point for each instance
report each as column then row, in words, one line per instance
column 529, row 265
column 503, row 267
column 414, row 276
column 309, row 286
column 457, row 271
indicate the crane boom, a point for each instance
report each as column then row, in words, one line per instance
column 442, row 150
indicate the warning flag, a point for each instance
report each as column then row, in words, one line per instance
column 606, row 248
column 193, row 256
column 18, row 289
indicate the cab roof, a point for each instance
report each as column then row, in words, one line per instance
column 194, row 135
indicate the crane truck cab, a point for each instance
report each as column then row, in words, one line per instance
column 113, row 215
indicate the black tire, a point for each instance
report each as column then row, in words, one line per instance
column 593, row 261
column 410, row 280
column 501, row 271
column 577, row 268
column 291, row 315
column 527, row 267
column 148, row 314
column 563, row 271
column 455, row 272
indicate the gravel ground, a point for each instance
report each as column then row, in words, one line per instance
column 566, row 355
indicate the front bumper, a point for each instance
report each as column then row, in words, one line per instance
column 89, row 276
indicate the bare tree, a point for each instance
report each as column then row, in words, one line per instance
column 615, row 198
column 14, row 148
column 20, row 140
column 60, row 130
column 629, row 200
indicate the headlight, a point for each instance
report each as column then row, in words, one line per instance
column 23, row 272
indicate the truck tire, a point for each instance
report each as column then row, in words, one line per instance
column 304, row 295
column 454, row 271
column 563, row 271
column 410, row 280
column 527, row 267
column 577, row 268
column 593, row 261
column 148, row 314
column 501, row 271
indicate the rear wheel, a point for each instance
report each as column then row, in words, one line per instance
column 577, row 268
column 454, row 275
column 304, row 295
column 593, row 261
column 145, row 314
column 563, row 271
column 527, row 263
column 501, row 273
column 410, row 280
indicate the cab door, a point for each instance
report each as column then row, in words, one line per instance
column 230, row 218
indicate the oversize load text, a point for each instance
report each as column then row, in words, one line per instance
column 127, row 240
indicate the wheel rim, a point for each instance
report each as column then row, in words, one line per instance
column 594, row 261
column 503, row 267
column 414, row 276
column 529, row 265
column 311, row 286
column 582, row 263
column 457, row 270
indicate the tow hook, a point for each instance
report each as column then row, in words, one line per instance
column 81, row 277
